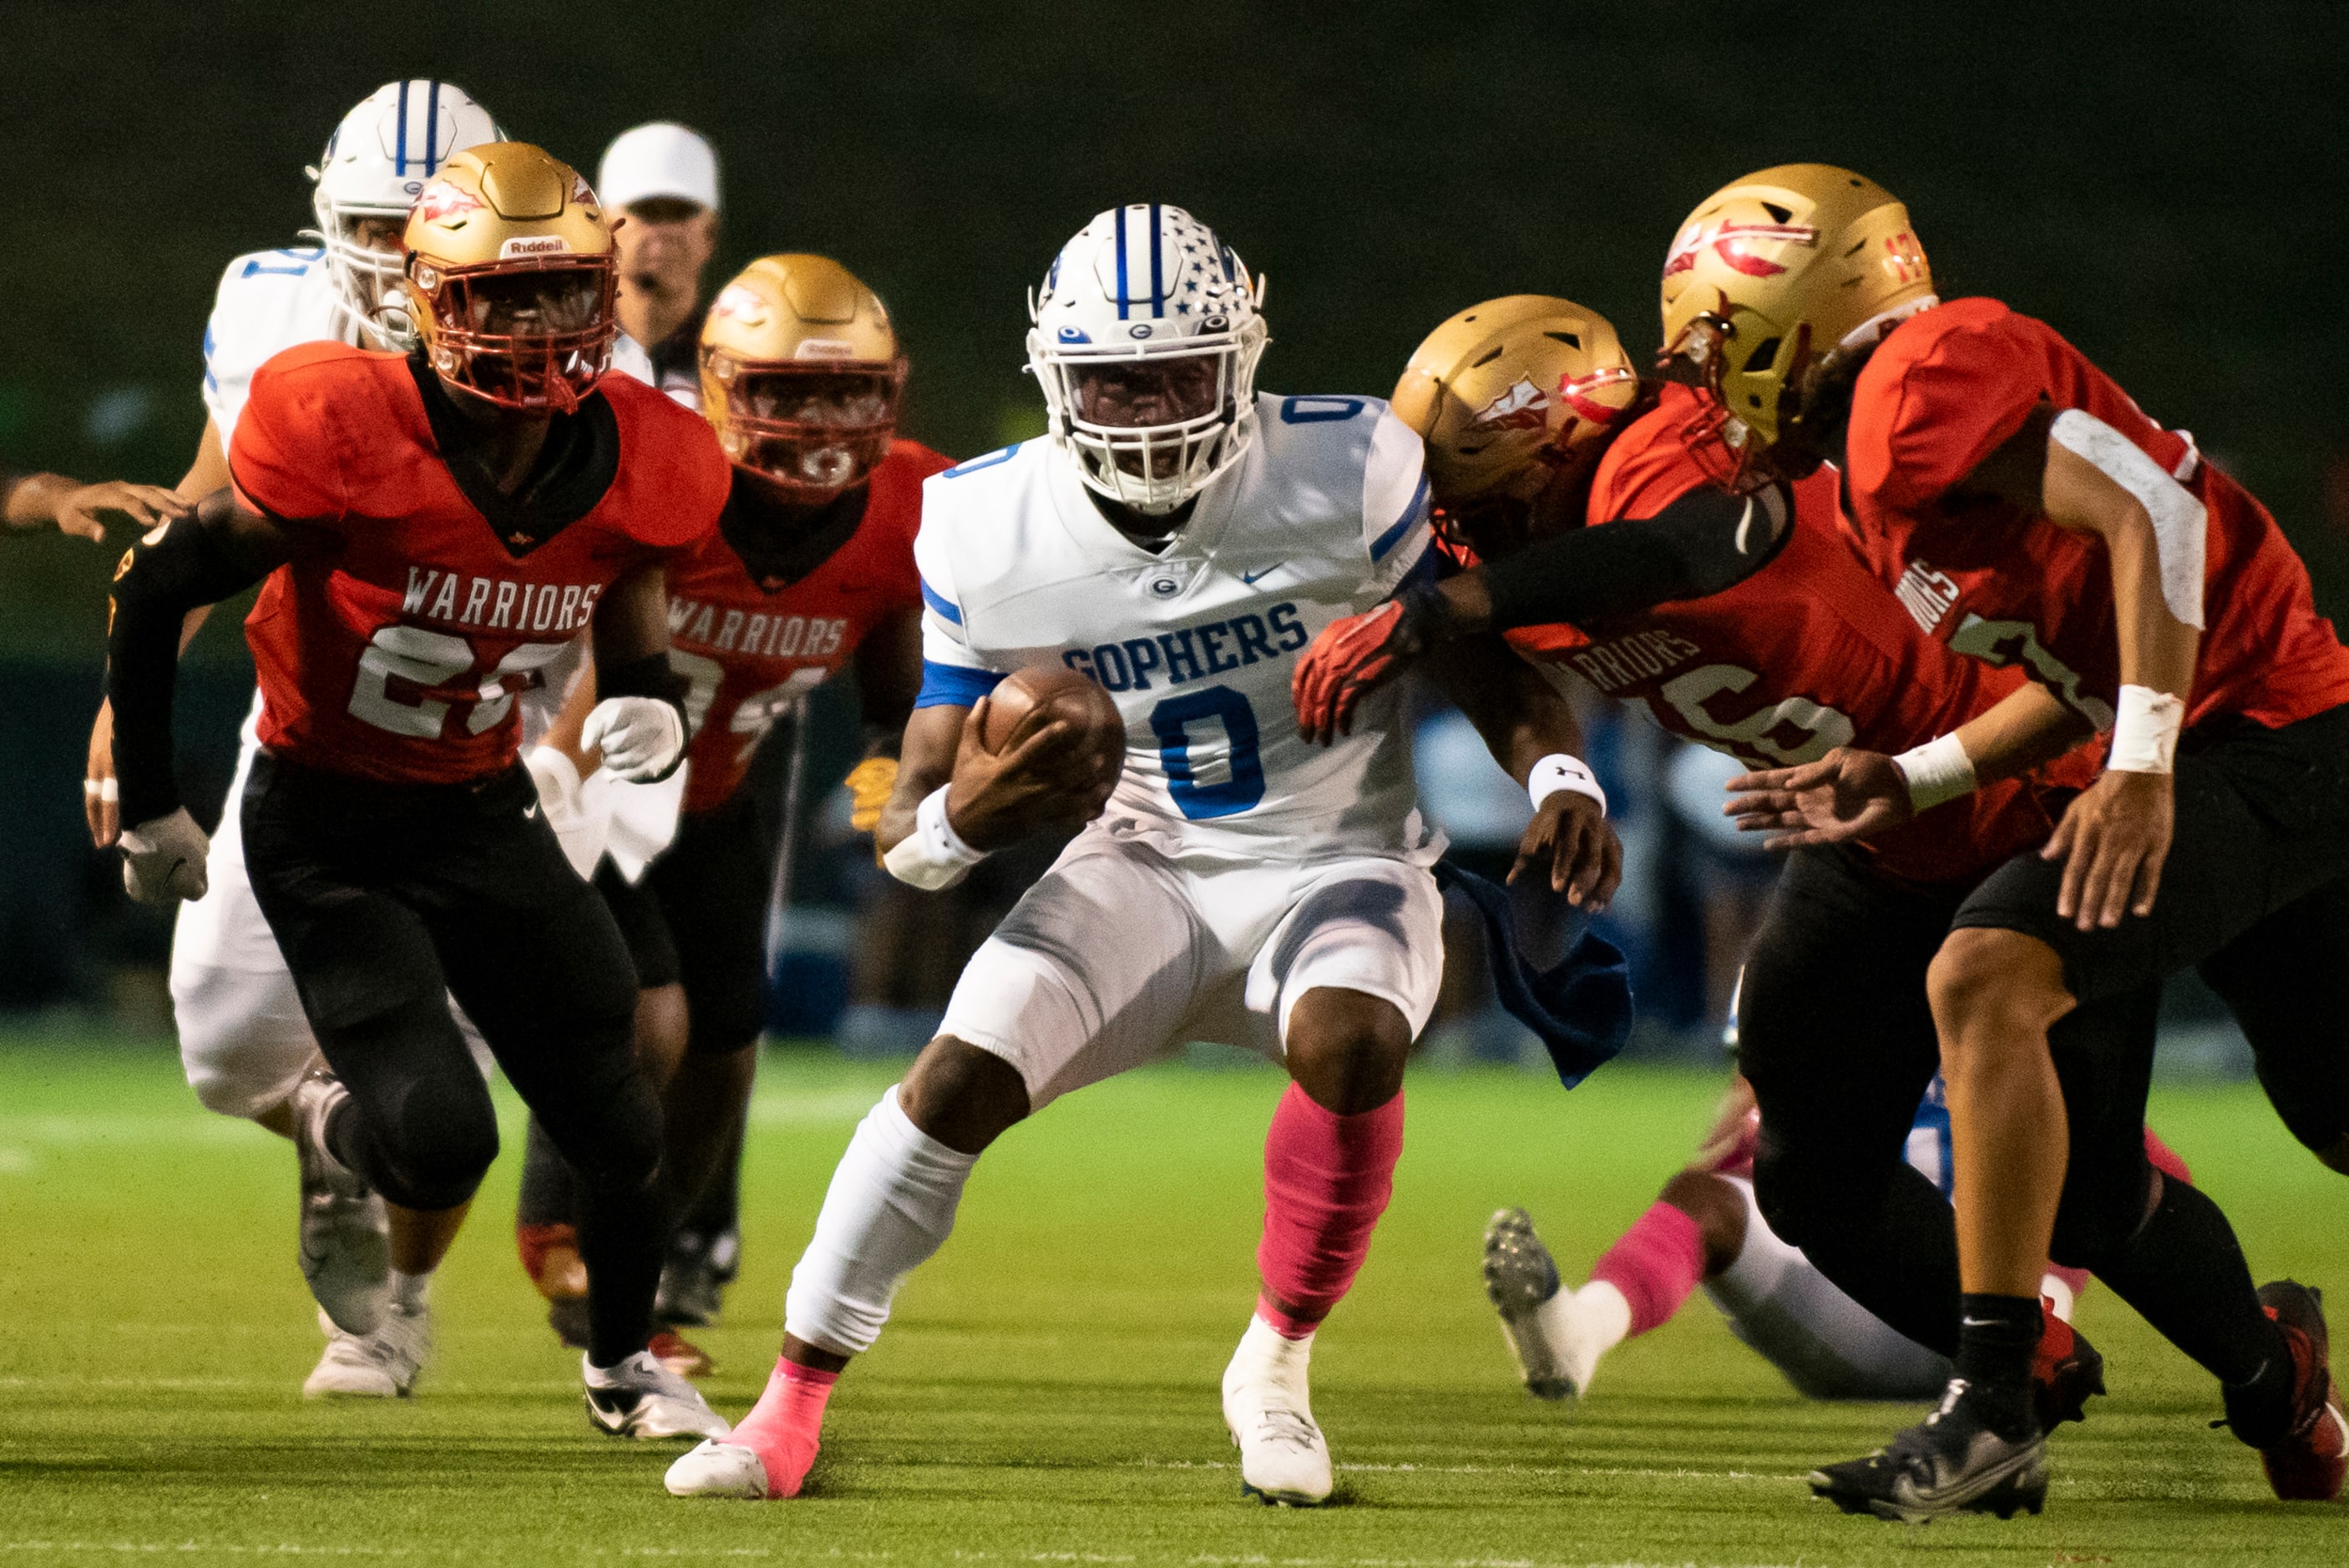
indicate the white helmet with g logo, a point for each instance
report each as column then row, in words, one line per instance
column 1145, row 341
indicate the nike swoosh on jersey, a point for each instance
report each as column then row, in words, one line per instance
column 1252, row 578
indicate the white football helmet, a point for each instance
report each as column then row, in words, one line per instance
column 1145, row 341
column 375, row 165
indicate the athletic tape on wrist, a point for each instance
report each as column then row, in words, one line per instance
column 1936, row 771
column 932, row 856
column 1559, row 771
column 2145, row 731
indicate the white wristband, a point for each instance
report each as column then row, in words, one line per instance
column 1559, row 771
column 2145, row 730
column 1936, row 771
column 932, row 856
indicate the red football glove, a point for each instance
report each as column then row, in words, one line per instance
column 1352, row 658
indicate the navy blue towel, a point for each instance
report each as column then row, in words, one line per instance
column 1550, row 970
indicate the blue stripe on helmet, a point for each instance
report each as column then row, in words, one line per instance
column 432, row 129
column 1121, row 263
column 399, row 144
column 1157, row 277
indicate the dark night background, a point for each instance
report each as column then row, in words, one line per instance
column 2162, row 182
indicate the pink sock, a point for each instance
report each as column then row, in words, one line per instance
column 1327, row 1178
column 1655, row 1264
column 785, row 1425
column 2074, row 1280
column 2164, row 1159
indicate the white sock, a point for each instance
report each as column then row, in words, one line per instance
column 890, row 1205
column 1602, row 1314
column 411, row 1290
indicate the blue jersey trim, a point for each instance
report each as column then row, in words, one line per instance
column 954, row 685
column 940, row 603
column 1002, row 455
column 1393, row 536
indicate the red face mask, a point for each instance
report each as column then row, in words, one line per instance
column 532, row 335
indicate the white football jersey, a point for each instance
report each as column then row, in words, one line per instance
column 268, row 301
column 1324, row 516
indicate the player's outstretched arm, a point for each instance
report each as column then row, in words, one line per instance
column 1851, row 794
column 219, row 549
column 33, row 500
column 1702, row 543
column 1524, row 721
column 99, row 791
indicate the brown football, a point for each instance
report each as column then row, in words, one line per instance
column 1063, row 694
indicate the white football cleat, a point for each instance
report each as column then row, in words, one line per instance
column 718, row 1469
column 1557, row 1335
column 642, row 1398
column 1283, row 1456
column 379, row 1365
column 345, row 1236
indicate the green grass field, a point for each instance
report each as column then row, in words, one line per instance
column 1048, row 1390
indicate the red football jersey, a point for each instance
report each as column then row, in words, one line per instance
column 398, row 653
column 1942, row 391
column 750, row 654
column 1806, row 654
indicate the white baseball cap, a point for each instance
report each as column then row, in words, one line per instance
column 663, row 159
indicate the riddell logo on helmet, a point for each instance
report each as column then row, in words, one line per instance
column 1521, row 408
column 534, row 245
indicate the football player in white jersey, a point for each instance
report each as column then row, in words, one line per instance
column 244, row 1041
column 1177, row 538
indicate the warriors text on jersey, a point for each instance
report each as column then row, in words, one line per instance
column 1942, row 391
column 751, row 651
column 397, row 653
column 1807, row 654
column 1321, row 517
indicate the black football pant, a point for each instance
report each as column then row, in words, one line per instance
column 390, row 899
column 1836, row 1037
column 2254, row 894
column 697, row 918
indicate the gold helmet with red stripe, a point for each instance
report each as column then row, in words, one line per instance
column 1510, row 396
column 1775, row 280
column 802, row 375
column 511, row 277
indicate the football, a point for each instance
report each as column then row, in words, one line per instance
column 1063, row 694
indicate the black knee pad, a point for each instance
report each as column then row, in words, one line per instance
column 437, row 1142
column 2311, row 1099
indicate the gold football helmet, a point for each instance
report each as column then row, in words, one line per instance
column 1776, row 279
column 802, row 375
column 1512, row 397
column 511, row 277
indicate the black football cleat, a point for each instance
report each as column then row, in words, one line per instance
column 1948, row 1464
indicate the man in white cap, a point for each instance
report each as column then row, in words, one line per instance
column 665, row 178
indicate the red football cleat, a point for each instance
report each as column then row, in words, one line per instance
column 680, row 1355
column 2308, row 1462
column 2065, row 1374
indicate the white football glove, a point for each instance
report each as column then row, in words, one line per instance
column 640, row 737
column 578, row 810
column 163, row 859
